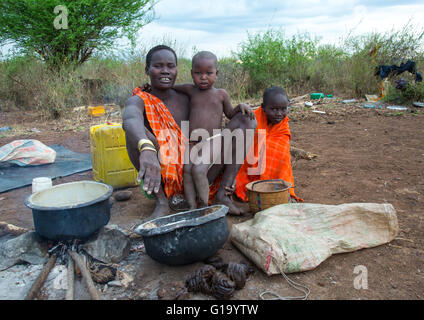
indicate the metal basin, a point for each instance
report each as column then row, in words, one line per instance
column 186, row 237
column 73, row 210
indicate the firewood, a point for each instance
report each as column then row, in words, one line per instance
column 36, row 286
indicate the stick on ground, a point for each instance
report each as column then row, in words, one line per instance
column 36, row 286
column 70, row 277
column 86, row 275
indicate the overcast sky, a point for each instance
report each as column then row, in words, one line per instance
column 221, row 25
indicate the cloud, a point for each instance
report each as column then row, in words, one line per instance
column 221, row 25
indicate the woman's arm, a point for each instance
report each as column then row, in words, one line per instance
column 146, row 162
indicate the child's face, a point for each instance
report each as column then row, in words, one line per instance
column 204, row 73
column 276, row 108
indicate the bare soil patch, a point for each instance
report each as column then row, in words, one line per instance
column 363, row 156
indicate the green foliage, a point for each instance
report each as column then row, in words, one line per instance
column 410, row 93
column 301, row 64
column 391, row 47
column 91, row 25
column 271, row 58
column 233, row 78
column 27, row 83
column 326, row 70
column 367, row 51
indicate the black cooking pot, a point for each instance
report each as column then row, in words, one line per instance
column 73, row 210
column 186, row 237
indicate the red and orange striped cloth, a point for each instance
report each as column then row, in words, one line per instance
column 277, row 156
column 171, row 142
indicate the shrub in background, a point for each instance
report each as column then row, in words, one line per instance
column 272, row 59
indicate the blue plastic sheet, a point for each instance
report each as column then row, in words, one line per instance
column 67, row 163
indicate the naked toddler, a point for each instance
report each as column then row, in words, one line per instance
column 207, row 104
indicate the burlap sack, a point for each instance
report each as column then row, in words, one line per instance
column 297, row 237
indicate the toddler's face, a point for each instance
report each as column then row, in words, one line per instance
column 276, row 108
column 204, row 73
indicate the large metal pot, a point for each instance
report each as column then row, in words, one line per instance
column 73, row 210
column 186, row 237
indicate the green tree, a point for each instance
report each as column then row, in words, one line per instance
column 68, row 32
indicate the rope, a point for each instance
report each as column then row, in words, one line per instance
column 293, row 284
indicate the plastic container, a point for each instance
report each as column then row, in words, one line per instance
column 109, row 156
column 397, row 108
column 316, row 95
column 5, row 129
column 41, row 183
column 96, row 111
column 369, row 106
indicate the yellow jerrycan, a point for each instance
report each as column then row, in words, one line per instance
column 109, row 156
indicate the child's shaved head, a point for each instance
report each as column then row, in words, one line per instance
column 205, row 55
column 271, row 91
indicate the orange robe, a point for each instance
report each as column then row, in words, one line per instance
column 171, row 142
column 273, row 159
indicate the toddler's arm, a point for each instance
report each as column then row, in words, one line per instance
column 186, row 88
column 230, row 111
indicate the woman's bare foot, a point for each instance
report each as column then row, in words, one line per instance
column 161, row 209
column 244, row 210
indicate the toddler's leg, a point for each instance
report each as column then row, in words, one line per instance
column 200, row 177
column 189, row 188
column 202, row 162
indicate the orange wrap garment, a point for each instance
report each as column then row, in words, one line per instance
column 273, row 143
column 171, row 142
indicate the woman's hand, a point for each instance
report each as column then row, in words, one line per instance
column 150, row 171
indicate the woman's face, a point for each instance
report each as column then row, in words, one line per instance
column 162, row 70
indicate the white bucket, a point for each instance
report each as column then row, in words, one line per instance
column 41, row 183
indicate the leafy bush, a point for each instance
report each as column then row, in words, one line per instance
column 273, row 59
column 300, row 64
column 411, row 92
column 233, row 78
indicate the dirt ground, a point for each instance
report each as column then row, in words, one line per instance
column 364, row 155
